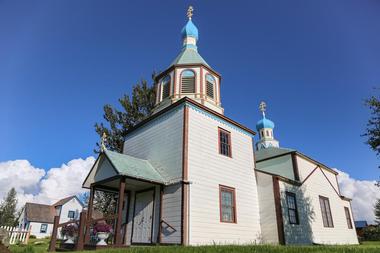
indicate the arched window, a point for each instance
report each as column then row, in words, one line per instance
column 210, row 86
column 188, row 82
column 165, row 84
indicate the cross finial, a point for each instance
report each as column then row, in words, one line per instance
column 103, row 142
column 190, row 12
column 263, row 107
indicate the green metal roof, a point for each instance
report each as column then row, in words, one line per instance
column 134, row 167
column 189, row 56
column 271, row 152
column 266, row 153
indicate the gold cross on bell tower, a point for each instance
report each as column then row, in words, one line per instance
column 263, row 107
column 190, row 12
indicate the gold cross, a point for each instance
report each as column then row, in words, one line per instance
column 190, row 12
column 263, row 106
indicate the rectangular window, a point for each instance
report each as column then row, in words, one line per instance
column 326, row 212
column 43, row 228
column 292, row 208
column 71, row 214
column 165, row 90
column 227, row 204
column 348, row 217
column 224, row 142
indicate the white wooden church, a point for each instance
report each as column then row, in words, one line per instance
column 190, row 175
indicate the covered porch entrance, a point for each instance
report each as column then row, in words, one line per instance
column 136, row 216
column 125, row 201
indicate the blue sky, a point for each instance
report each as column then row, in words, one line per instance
column 313, row 62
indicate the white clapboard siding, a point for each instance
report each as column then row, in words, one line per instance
column 171, row 214
column 306, row 167
column 207, row 170
column 160, row 142
column 268, row 220
column 17, row 235
column 311, row 227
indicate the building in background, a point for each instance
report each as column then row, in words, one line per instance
column 41, row 217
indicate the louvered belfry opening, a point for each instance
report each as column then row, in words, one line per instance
column 210, row 84
column 166, row 87
column 188, row 82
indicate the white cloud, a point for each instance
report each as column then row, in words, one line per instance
column 364, row 194
column 35, row 185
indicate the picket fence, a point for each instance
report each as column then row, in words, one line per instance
column 17, row 235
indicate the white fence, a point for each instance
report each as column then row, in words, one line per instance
column 17, row 235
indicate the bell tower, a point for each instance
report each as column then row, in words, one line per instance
column 265, row 129
column 189, row 75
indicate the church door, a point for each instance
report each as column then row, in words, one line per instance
column 143, row 217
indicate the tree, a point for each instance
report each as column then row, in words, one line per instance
column 105, row 202
column 8, row 209
column 373, row 125
column 377, row 211
column 135, row 109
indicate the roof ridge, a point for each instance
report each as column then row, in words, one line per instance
column 158, row 172
column 37, row 204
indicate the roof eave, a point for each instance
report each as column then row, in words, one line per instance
column 172, row 67
column 189, row 100
column 316, row 162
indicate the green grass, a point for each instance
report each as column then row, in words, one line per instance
column 34, row 246
column 366, row 247
column 371, row 243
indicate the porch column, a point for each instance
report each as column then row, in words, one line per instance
column 118, row 233
column 89, row 215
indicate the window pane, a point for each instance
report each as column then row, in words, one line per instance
column 292, row 207
column 292, row 216
column 291, row 202
column 227, row 205
column 348, row 217
column 225, row 146
column 43, row 228
column 326, row 212
column 323, row 211
column 226, row 198
column 166, row 87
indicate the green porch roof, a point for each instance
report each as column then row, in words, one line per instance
column 189, row 56
column 271, row 152
column 130, row 166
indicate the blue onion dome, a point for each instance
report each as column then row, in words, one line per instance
column 264, row 123
column 189, row 30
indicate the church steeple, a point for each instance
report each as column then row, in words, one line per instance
column 265, row 128
column 190, row 32
column 189, row 75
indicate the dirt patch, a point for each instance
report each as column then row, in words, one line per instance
column 4, row 249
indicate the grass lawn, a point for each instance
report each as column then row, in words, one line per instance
column 366, row 247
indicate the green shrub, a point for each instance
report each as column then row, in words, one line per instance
column 32, row 237
column 28, row 249
column 371, row 233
